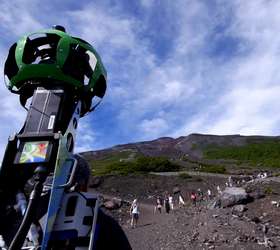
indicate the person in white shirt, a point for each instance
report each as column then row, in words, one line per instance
column 181, row 201
column 219, row 189
column 158, row 205
column 209, row 193
column 134, row 211
column 170, row 199
column 230, row 181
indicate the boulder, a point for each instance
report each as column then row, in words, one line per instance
column 118, row 202
column 257, row 194
column 214, row 204
column 232, row 196
column 239, row 208
column 112, row 204
column 109, row 205
column 275, row 203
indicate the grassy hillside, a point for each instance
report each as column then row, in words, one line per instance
column 126, row 163
column 264, row 154
column 207, row 153
column 114, row 157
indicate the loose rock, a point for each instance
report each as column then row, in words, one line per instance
column 115, row 203
column 239, row 208
column 232, row 196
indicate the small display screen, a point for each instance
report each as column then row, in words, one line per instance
column 34, row 152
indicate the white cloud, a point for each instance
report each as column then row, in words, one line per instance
column 153, row 128
column 252, row 112
column 16, row 17
column 11, row 115
column 100, row 26
column 86, row 137
column 249, row 81
column 189, row 89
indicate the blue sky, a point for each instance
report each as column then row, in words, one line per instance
column 174, row 67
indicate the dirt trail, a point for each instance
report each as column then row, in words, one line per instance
column 192, row 173
column 205, row 174
column 194, row 227
column 149, row 228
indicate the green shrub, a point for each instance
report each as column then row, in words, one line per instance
column 140, row 165
column 217, row 169
column 155, row 164
column 266, row 154
column 268, row 190
column 120, row 167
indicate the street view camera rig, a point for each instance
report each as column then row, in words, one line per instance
column 61, row 75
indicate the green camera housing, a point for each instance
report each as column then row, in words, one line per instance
column 54, row 57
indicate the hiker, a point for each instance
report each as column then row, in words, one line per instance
column 134, row 211
column 209, row 193
column 230, row 181
column 199, row 195
column 181, row 200
column 219, row 189
column 166, row 204
column 158, row 205
column 193, row 198
column 170, row 200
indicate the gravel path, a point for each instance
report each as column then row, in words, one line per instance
column 258, row 227
column 149, row 233
column 195, row 228
column 192, row 173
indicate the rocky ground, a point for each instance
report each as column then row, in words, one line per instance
column 219, row 223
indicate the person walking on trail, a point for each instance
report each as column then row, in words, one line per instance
column 199, row 195
column 166, row 204
column 230, row 181
column 181, row 200
column 158, row 205
column 193, row 198
column 170, row 200
column 219, row 189
column 209, row 193
column 134, row 211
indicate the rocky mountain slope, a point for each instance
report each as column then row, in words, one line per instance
column 193, row 145
column 197, row 149
column 226, row 221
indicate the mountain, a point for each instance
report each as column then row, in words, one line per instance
column 195, row 150
column 255, row 224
